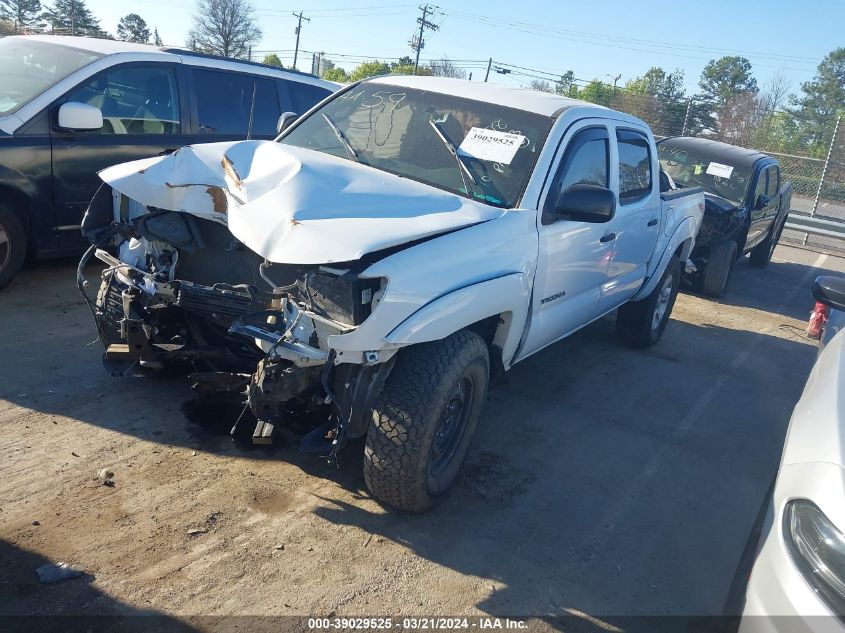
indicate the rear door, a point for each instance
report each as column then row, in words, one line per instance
column 142, row 106
column 773, row 193
column 637, row 220
column 760, row 209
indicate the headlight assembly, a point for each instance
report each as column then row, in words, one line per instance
column 818, row 549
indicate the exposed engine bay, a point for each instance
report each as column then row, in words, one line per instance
column 184, row 291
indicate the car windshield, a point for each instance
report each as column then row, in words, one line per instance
column 476, row 149
column 690, row 167
column 28, row 68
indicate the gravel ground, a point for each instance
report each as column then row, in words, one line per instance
column 602, row 480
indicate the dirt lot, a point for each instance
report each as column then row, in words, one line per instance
column 603, row 480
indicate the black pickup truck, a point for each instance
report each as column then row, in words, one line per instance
column 746, row 205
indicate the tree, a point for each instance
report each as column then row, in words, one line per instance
column 133, row 28
column 658, row 98
column 541, row 86
column 597, row 92
column 369, row 69
column 72, row 17
column 272, row 60
column 823, row 100
column 224, row 27
column 723, row 79
column 565, row 84
column 446, row 68
column 156, row 38
column 24, row 14
column 336, row 74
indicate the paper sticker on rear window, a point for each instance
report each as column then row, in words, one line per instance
column 720, row 170
column 491, row 145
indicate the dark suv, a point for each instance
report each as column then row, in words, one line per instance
column 70, row 106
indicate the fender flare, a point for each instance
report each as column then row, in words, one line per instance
column 509, row 296
column 684, row 235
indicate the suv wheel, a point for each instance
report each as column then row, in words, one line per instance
column 424, row 420
column 12, row 245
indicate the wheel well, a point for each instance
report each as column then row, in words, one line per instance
column 493, row 331
column 17, row 203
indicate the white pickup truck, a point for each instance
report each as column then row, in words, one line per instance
column 396, row 246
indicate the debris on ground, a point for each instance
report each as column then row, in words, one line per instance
column 36, row 523
column 195, row 531
column 280, row 546
column 105, row 473
column 48, row 574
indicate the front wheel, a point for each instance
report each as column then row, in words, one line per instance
column 717, row 271
column 641, row 323
column 12, row 245
column 424, row 420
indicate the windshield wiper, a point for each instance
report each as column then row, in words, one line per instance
column 466, row 175
column 342, row 138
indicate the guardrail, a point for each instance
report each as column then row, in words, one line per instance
column 816, row 225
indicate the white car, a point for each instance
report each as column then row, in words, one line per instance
column 401, row 241
column 800, row 568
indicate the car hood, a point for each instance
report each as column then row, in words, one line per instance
column 293, row 205
column 817, row 428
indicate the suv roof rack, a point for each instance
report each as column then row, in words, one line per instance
column 187, row 51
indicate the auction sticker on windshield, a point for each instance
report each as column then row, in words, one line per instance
column 491, row 145
column 720, row 170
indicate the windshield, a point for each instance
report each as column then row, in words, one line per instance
column 390, row 128
column 690, row 167
column 28, row 68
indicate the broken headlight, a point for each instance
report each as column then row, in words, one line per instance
column 338, row 294
column 818, row 549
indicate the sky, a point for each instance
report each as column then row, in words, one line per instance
column 595, row 39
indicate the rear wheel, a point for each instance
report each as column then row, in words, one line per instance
column 641, row 323
column 12, row 245
column 424, row 420
column 761, row 254
column 717, row 272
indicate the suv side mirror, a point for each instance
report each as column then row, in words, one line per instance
column 830, row 291
column 587, row 203
column 80, row 116
column 285, row 121
column 762, row 201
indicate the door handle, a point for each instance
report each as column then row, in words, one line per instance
column 607, row 237
column 652, row 222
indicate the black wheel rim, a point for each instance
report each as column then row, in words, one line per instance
column 451, row 426
column 5, row 247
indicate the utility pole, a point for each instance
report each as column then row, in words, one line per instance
column 489, row 64
column 615, row 79
column 420, row 42
column 300, row 17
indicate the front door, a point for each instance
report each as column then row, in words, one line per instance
column 574, row 256
column 142, row 117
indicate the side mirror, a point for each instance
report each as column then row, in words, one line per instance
column 762, row 201
column 830, row 291
column 587, row 203
column 80, row 116
column 285, row 121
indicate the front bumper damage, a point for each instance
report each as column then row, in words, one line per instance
column 267, row 348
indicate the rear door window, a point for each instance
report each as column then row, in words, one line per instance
column 634, row 166
column 226, row 100
column 133, row 100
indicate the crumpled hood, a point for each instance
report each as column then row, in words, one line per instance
column 293, row 205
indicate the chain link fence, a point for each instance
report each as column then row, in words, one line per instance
column 811, row 154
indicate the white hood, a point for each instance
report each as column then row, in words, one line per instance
column 293, row 205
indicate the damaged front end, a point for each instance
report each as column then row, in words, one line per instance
column 182, row 291
column 722, row 221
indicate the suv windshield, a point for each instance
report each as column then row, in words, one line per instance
column 28, row 68
column 402, row 131
column 690, row 167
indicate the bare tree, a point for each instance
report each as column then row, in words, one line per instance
column 542, row 86
column 445, row 67
column 224, row 27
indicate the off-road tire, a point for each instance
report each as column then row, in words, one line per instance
column 410, row 412
column 717, row 272
column 12, row 245
column 761, row 254
column 640, row 324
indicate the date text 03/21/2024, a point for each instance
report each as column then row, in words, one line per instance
column 431, row 623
